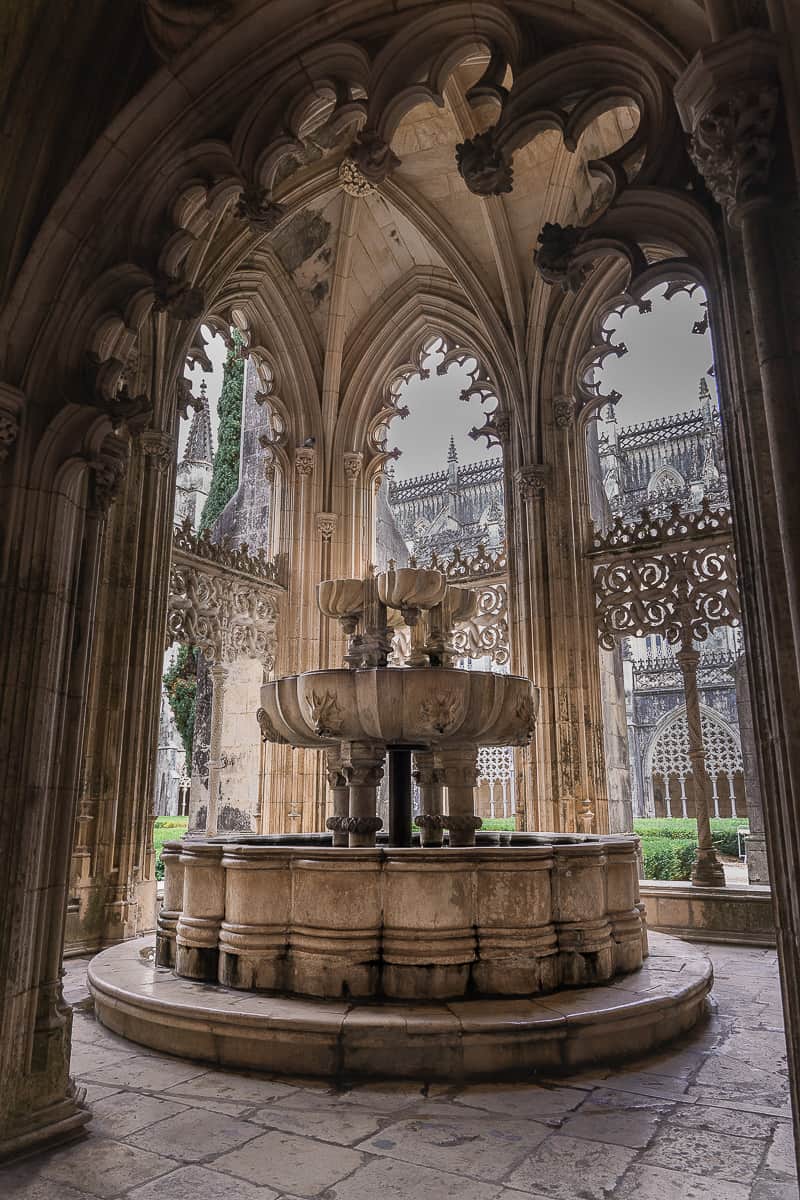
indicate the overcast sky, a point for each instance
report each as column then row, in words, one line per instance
column 659, row 375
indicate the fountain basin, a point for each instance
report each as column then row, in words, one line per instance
column 404, row 924
column 399, row 707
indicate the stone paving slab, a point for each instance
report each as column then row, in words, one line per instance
column 707, row 1119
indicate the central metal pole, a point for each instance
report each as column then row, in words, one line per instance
column 399, row 797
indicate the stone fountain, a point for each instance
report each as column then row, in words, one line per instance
column 403, row 955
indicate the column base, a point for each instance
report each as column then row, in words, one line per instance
column 707, row 870
column 63, row 1121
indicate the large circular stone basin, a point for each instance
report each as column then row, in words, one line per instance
column 400, row 707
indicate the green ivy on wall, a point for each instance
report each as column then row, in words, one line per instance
column 180, row 683
column 225, row 476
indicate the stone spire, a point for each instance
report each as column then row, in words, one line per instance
column 452, row 468
column 199, row 446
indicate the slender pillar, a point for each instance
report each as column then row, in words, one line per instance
column 218, row 677
column 364, row 773
column 460, row 774
column 337, row 782
column 428, row 777
column 707, row 870
column 399, row 797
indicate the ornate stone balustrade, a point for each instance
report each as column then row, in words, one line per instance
column 403, row 923
column 222, row 598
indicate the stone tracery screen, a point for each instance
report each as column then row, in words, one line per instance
column 668, row 757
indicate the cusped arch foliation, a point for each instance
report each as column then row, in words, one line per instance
column 382, row 346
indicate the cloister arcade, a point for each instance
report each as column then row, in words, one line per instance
column 340, row 187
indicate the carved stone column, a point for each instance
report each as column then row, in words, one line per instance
column 52, row 535
column 459, row 769
column 757, row 867
column 364, row 772
column 218, row 677
column 113, row 881
column 707, row 870
column 337, row 782
column 728, row 99
column 430, row 780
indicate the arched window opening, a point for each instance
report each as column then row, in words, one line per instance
column 441, row 502
column 655, row 445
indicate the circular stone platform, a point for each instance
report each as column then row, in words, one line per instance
column 446, row 1041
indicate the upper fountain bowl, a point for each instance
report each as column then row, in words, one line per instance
column 418, row 708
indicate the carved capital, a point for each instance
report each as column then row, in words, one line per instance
column 429, row 821
column 11, row 404
column 361, row 825
column 353, row 464
column 158, row 450
column 373, row 156
column 532, row 480
column 256, row 207
column 728, row 99
column 304, row 460
column 326, row 523
column 461, row 822
column 484, row 165
column 178, row 298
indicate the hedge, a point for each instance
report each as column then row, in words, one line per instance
column 167, row 829
column 668, row 857
column 723, row 831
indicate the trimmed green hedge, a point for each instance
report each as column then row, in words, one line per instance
column 167, row 829
column 668, row 843
column 668, row 857
column 723, row 830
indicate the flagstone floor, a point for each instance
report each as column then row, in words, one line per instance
column 708, row 1120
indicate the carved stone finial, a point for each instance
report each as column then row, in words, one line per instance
column 484, row 166
column 178, row 298
column 554, row 260
column 258, row 209
column 373, row 156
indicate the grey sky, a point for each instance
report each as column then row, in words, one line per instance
column 660, row 374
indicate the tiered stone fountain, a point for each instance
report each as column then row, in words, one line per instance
column 426, row 955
